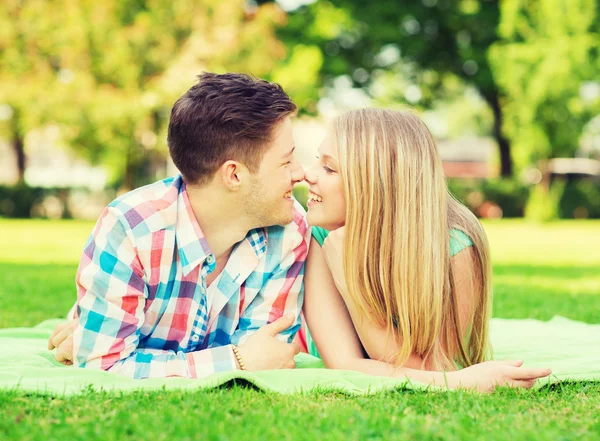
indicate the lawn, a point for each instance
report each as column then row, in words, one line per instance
column 539, row 272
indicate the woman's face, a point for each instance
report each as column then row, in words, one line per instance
column 326, row 202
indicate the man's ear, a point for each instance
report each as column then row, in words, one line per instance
column 233, row 174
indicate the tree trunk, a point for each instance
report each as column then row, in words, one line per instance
column 18, row 144
column 506, row 165
column 129, row 177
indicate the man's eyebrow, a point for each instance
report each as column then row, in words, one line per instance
column 290, row 152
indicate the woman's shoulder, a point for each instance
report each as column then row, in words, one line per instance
column 459, row 240
column 320, row 234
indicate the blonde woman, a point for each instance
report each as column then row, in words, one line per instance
column 398, row 278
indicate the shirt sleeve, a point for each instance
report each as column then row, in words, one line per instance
column 282, row 293
column 320, row 234
column 111, row 298
column 459, row 240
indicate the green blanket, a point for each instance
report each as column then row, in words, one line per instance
column 571, row 349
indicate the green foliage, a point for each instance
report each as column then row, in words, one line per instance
column 543, row 204
column 527, row 59
column 547, row 51
column 19, row 200
column 108, row 72
column 580, row 199
column 435, row 38
column 509, row 194
column 22, row 201
column 301, row 194
column 410, row 52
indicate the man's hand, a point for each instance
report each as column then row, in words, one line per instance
column 62, row 340
column 263, row 351
column 488, row 375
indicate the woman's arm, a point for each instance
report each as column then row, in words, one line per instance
column 332, row 329
column 334, row 334
column 326, row 315
column 375, row 337
column 466, row 293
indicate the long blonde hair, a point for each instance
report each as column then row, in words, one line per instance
column 397, row 259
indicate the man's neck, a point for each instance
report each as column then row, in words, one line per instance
column 221, row 218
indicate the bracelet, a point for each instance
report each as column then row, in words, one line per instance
column 236, row 352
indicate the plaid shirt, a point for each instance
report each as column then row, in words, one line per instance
column 143, row 307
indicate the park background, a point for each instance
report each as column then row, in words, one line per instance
column 510, row 90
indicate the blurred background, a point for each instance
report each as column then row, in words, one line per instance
column 510, row 89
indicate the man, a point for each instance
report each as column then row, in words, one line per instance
column 201, row 273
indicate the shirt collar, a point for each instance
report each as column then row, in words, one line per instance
column 258, row 240
column 192, row 245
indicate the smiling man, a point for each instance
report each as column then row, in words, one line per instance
column 203, row 272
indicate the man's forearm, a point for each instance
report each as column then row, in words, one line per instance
column 154, row 363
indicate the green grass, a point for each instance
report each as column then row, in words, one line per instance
column 539, row 271
column 245, row 414
column 546, row 270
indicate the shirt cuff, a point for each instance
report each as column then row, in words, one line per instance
column 209, row 361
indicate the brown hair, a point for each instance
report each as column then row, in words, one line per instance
column 224, row 117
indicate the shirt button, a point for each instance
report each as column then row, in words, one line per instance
column 210, row 259
column 195, row 338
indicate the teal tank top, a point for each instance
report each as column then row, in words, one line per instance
column 458, row 242
column 458, row 239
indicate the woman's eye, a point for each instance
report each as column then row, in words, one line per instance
column 328, row 170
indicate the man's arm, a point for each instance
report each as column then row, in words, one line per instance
column 112, row 295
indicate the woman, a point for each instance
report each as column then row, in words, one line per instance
column 405, row 274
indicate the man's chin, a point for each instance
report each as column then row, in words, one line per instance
column 277, row 220
column 287, row 216
column 285, row 220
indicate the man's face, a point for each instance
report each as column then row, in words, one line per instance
column 269, row 200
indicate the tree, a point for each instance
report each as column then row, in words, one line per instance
column 30, row 72
column 432, row 41
column 116, row 67
column 547, row 53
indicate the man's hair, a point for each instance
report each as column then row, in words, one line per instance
column 224, row 117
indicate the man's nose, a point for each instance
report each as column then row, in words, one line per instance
column 298, row 173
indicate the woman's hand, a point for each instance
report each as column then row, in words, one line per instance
column 486, row 376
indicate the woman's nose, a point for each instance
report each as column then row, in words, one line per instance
column 310, row 176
